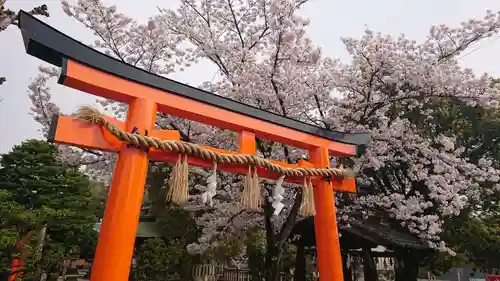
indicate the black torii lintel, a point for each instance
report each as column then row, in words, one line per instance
column 54, row 47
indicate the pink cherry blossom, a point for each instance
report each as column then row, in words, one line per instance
column 265, row 58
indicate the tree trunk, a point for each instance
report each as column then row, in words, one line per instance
column 369, row 267
column 41, row 241
column 348, row 275
column 407, row 264
column 300, row 262
column 273, row 262
column 276, row 243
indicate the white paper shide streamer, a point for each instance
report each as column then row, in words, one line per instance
column 211, row 191
column 278, row 192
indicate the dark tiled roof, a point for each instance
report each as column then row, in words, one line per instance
column 379, row 234
column 384, row 235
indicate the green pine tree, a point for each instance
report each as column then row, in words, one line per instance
column 38, row 192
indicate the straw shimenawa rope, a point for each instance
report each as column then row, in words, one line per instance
column 179, row 179
column 93, row 116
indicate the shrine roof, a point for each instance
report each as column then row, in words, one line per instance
column 54, row 47
column 378, row 234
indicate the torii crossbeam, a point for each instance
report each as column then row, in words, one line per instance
column 88, row 70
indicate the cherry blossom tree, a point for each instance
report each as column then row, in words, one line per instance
column 9, row 17
column 121, row 35
column 412, row 175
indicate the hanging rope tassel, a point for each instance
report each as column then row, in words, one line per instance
column 185, row 181
column 250, row 197
column 179, row 182
column 173, row 181
column 245, row 194
column 307, row 208
column 255, row 194
column 207, row 196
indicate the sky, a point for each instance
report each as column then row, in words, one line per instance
column 330, row 20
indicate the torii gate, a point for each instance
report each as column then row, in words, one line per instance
column 88, row 70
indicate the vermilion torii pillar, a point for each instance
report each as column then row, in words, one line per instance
column 87, row 70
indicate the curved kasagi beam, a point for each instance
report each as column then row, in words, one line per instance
column 54, row 47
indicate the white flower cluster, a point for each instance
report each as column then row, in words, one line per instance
column 265, row 59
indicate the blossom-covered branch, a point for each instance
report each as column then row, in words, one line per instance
column 9, row 17
column 391, row 88
column 411, row 175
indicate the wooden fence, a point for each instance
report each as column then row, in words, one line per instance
column 208, row 272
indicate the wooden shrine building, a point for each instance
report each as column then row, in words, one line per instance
column 399, row 259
